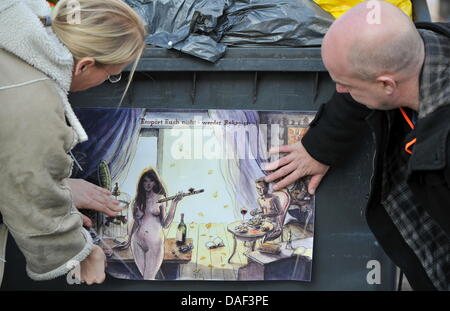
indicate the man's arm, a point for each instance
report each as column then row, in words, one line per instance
column 336, row 129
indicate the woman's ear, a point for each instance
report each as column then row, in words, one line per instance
column 83, row 64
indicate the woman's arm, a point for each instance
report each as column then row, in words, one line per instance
column 167, row 218
column 89, row 196
column 36, row 202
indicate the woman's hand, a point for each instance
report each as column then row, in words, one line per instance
column 92, row 269
column 178, row 197
column 166, row 219
column 86, row 195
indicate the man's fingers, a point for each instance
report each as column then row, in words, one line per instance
column 290, row 179
column 314, row 183
column 284, row 148
column 285, row 170
column 278, row 163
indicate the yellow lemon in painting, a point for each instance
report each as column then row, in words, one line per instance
column 309, row 252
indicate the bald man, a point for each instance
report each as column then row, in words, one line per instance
column 396, row 79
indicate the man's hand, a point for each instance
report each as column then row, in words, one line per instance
column 89, row 196
column 296, row 164
column 92, row 269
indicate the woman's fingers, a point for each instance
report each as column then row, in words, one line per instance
column 87, row 222
column 178, row 197
column 107, row 201
column 103, row 205
column 97, row 198
column 92, row 269
column 103, row 190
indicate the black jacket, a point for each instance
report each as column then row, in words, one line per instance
column 334, row 132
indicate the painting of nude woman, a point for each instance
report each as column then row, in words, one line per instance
column 150, row 218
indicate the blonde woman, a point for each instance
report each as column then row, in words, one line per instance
column 42, row 58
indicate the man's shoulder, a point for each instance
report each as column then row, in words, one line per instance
column 434, row 79
column 440, row 28
column 436, row 37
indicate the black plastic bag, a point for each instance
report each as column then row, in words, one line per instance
column 203, row 28
column 283, row 23
column 184, row 25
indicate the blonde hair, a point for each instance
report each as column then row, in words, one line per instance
column 107, row 30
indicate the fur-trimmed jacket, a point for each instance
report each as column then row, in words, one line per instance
column 37, row 130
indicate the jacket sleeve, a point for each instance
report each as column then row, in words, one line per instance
column 35, row 202
column 336, row 129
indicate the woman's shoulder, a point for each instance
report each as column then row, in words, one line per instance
column 21, row 83
column 16, row 71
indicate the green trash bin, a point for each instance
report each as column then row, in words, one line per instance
column 263, row 78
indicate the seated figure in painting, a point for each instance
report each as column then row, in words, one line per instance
column 302, row 203
column 273, row 208
column 150, row 218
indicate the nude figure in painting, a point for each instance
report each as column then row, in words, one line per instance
column 150, row 218
column 273, row 207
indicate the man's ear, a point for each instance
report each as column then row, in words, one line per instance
column 388, row 84
column 83, row 65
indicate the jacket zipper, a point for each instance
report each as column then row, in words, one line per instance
column 75, row 161
column 372, row 177
column 388, row 120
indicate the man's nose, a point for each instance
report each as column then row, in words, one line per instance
column 341, row 89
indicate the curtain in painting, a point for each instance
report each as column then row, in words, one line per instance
column 246, row 151
column 113, row 137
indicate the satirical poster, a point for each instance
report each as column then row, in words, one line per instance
column 195, row 203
